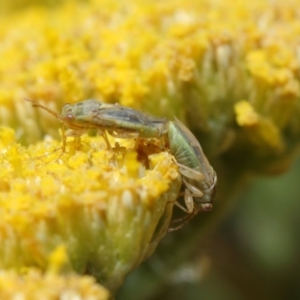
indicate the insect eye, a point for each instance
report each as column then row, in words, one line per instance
column 69, row 117
column 206, row 207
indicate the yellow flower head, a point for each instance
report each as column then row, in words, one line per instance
column 102, row 206
column 35, row 285
column 245, row 114
column 197, row 60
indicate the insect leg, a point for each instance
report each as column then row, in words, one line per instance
column 105, row 137
column 185, row 221
column 182, row 207
column 181, row 219
column 194, row 191
column 188, row 200
column 190, row 173
column 64, row 138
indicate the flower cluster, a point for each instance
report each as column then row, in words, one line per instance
column 35, row 286
column 195, row 60
column 107, row 208
column 230, row 69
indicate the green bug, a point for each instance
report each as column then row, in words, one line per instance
column 197, row 174
column 117, row 120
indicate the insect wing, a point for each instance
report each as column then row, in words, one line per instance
column 120, row 117
column 129, row 117
column 207, row 170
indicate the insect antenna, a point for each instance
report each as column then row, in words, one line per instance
column 184, row 220
column 36, row 104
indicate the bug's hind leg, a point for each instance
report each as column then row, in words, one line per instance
column 185, row 220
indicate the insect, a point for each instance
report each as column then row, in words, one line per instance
column 117, row 120
column 197, row 174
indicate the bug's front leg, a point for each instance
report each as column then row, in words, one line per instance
column 193, row 190
column 71, row 133
column 190, row 192
column 190, row 173
column 64, row 138
column 188, row 200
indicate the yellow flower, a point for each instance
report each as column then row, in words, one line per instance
column 189, row 60
column 197, row 60
column 245, row 114
column 258, row 130
column 35, row 285
column 102, row 206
